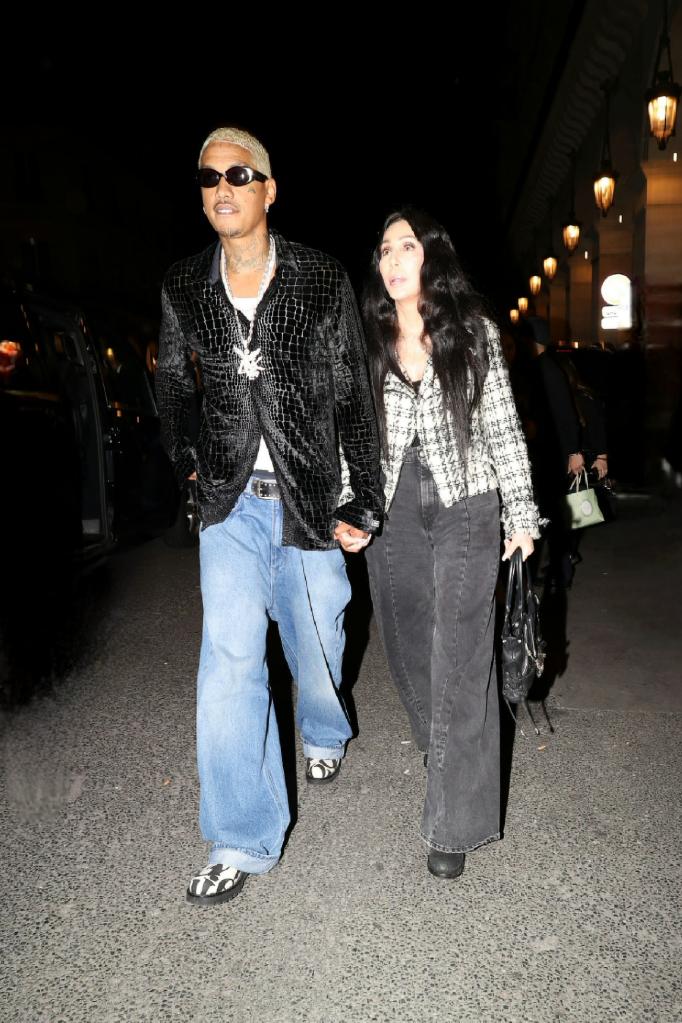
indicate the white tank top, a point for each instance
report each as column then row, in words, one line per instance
column 248, row 307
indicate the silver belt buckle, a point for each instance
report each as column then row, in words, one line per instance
column 267, row 489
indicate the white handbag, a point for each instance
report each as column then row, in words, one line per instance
column 581, row 505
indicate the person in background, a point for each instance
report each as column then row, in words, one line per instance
column 556, row 432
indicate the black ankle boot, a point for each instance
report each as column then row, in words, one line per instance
column 445, row 864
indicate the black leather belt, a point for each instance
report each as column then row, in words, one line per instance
column 267, row 489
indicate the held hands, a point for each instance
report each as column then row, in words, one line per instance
column 524, row 541
column 350, row 538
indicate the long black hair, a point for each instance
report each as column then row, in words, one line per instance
column 454, row 320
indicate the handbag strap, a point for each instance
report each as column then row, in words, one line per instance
column 517, row 594
column 577, row 479
column 519, row 585
column 525, row 567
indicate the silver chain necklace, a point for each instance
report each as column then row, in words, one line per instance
column 249, row 361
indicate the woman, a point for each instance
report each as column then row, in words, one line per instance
column 566, row 435
column 450, row 439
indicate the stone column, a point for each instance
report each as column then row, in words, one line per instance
column 580, row 312
column 663, row 251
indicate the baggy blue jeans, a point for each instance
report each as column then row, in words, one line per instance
column 247, row 576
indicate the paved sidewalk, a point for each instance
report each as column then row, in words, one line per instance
column 575, row 916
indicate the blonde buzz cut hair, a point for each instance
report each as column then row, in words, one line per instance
column 258, row 152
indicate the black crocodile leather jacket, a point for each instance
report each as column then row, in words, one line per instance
column 312, row 394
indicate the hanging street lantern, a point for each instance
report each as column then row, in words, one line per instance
column 604, row 189
column 523, row 304
column 570, row 231
column 662, row 98
column 662, row 104
column 571, row 234
column 605, row 178
column 514, row 315
column 550, row 265
column 535, row 284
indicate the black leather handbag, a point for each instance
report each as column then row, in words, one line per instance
column 523, row 650
column 603, row 488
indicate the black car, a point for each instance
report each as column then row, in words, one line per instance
column 82, row 459
column 83, row 472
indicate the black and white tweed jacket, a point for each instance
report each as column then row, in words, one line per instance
column 311, row 402
column 497, row 455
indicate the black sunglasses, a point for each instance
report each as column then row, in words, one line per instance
column 237, row 176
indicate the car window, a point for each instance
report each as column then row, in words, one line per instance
column 125, row 377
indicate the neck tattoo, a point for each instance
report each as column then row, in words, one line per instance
column 246, row 262
column 249, row 361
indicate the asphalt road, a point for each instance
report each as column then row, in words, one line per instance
column 575, row 915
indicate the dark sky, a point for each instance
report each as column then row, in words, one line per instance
column 356, row 123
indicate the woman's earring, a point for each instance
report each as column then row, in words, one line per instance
column 267, row 206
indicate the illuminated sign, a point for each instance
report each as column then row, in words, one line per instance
column 616, row 291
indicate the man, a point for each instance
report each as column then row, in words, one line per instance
column 280, row 350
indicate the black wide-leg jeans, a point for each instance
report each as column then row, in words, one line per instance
column 432, row 577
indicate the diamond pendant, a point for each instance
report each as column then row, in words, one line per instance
column 249, row 362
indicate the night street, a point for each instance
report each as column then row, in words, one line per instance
column 392, row 297
column 573, row 916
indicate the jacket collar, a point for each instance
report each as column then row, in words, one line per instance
column 396, row 384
